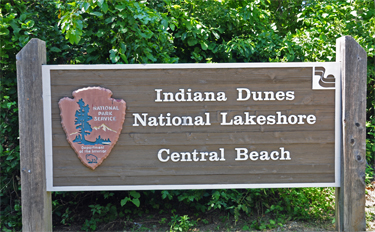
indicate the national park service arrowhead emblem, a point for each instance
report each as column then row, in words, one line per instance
column 92, row 122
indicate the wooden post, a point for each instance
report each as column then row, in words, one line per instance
column 350, row 197
column 36, row 201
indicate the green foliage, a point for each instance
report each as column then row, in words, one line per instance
column 16, row 24
column 129, row 32
column 278, row 204
column 224, row 31
column 162, row 221
column 181, row 223
column 133, row 197
column 100, row 214
column 369, row 175
column 169, row 31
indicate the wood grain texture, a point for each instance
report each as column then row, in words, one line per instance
column 197, row 179
column 133, row 160
column 350, row 197
column 36, row 201
column 124, row 163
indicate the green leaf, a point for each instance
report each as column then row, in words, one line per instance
column 104, row 7
column 109, row 20
column 120, row 7
column 124, row 201
column 135, row 194
column 70, row 37
column 23, row 17
column 113, row 55
column 55, row 49
column 96, row 13
column 188, row 25
column 4, row 31
column 79, row 24
column 146, row 35
column 100, row 2
column 8, row 6
column 184, row 35
column 124, row 30
column 164, row 22
column 124, row 58
column 74, row 37
column 192, row 41
column 165, row 194
column 123, row 46
column 217, row 36
column 150, row 57
column 100, row 33
column 216, row 195
column 172, row 26
column 136, row 202
column 15, row 27
column 204, row 45
column 86, row 6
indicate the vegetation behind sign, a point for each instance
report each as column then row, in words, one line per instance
column 192, row 32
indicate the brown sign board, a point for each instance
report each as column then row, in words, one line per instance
column 195, row 126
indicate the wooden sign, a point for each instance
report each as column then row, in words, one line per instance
column 192, row 126
column 253, row 151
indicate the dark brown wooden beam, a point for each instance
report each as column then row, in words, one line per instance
column 350, row 197
column 36, row 201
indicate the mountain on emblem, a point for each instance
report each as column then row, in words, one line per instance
column 104, row 127
column 92, row 122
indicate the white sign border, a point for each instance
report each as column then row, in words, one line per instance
column 334, row 68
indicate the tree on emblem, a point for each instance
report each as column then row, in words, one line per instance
column 81, row 120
